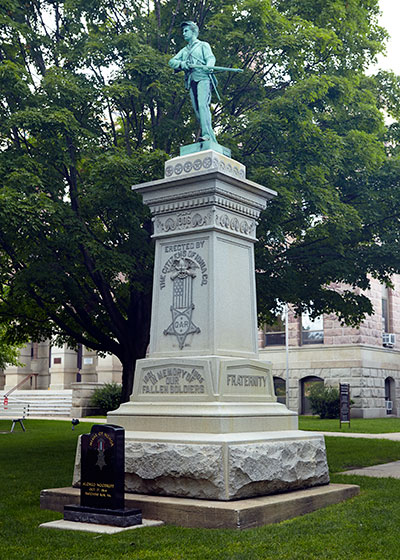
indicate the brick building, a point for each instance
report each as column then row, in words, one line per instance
column 368, row 357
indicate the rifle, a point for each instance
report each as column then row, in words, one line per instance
column 216, row 68
column 211, row 70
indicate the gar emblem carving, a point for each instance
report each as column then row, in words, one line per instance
column 101, row 461
column 182, row 276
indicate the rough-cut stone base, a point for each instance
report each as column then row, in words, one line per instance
column 237, row 514
column 222, row 467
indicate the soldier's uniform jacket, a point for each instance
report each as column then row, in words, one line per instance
column 198, row 53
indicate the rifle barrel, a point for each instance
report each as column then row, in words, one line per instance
column 225, row 69
column 219, row 68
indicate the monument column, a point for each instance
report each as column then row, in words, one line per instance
column 203, row 420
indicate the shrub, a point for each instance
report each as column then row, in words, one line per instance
column 107, row 397
column 324, row 401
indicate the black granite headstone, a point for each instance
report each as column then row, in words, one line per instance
column 102, row 479
column 102, row 467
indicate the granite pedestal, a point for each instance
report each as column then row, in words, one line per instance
column 203, row 420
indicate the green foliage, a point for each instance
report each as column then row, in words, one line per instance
column 324, row 400
column 107, row 398
column 90, row 107
column 9, row 354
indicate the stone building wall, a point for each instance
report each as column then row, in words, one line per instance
column 347, row 355
column 57, row 368
column 366, row 374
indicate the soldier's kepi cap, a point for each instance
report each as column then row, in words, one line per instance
column 190, row 24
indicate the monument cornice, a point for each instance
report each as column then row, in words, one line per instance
column 215, row 175
column 212, row 189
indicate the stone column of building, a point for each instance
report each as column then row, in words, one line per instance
column 15, row 374
column 63, row 368
column 40, row 364
column 88, row 369
column 109, row 369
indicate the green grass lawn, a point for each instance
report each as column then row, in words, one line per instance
column 355, row 453
column 357, row 425
column 366, row 527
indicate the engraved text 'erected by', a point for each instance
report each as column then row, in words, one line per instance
column 183, row 267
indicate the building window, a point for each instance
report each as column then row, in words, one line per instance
column 312, row 330
column 305, row 386
column 275, row 332
column 34, row 350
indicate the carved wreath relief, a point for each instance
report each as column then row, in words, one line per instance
column 183, row 220
column 182, row 268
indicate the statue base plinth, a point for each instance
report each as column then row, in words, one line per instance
column 222, row 466
column 203, row 146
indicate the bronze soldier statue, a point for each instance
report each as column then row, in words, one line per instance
column 197, row 61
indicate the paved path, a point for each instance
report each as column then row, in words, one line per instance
column 381, row 471
column 395, row 436
column 68, row 419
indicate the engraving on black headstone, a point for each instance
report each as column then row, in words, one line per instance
column 102, row 467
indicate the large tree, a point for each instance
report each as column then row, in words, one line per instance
column 89, row 107
column 9, row 354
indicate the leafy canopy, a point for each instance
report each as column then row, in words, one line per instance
column 89, row 107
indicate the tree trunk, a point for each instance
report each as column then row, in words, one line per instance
column 138, row 341
column 128, row 372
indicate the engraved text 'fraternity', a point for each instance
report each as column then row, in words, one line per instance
column 235, row 380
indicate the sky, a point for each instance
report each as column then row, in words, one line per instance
column 390, row 20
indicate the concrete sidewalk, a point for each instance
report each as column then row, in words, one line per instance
column 68, row 419
column 395, row 436
column 387, row 470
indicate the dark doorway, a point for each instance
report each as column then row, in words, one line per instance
column 305, row 386
column 280, row 389
column 389, row 395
